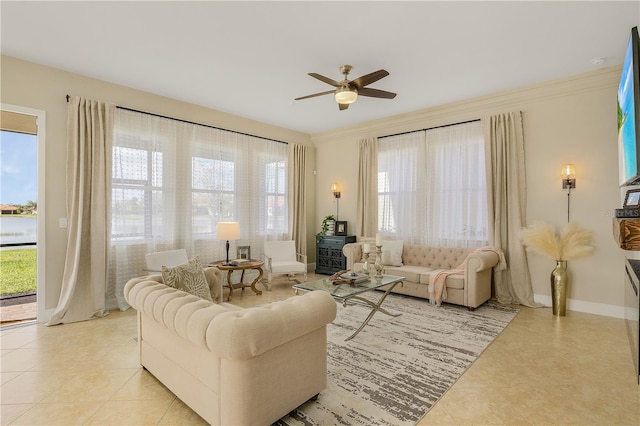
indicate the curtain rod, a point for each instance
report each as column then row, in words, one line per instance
column 193, row 122
column 430, row 128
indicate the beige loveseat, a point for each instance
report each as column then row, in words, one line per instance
column 470, row 287
column 233, row 366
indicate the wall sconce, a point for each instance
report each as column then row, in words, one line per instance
column 335, row 188
column 568, row 176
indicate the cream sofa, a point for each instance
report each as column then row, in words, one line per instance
column 233, row 366
column 470, row 288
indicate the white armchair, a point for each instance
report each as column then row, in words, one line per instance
column 168, row 258
column 281, row 258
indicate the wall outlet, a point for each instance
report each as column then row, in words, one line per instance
column 62, row 222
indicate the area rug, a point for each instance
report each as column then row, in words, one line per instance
column 396, row 369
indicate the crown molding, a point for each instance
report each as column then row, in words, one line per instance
column 470, row 109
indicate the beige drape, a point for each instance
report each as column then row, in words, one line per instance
column 506, row 192
column 89, row 139
column 297, row 157
column 367, row 201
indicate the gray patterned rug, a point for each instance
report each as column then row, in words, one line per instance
column 396, row 369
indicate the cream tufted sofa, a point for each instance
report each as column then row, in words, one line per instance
column 470, row 288
column 233, row 366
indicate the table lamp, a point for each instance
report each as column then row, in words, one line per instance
column 228, row 231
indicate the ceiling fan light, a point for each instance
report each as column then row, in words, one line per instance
column 346, row 96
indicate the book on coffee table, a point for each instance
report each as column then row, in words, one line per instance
column 355, row 277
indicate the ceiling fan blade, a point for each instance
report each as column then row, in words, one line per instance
column 314, row 95
column 325, row 79
column 360, row 82
column 375, row 93
column 343, row 106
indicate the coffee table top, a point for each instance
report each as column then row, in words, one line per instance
column 343, row 291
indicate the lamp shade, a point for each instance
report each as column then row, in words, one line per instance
column 569, row 171
column 344, row 95
column 228, row 230
column 335, row 187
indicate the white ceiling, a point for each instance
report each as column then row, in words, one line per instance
column 252, row 58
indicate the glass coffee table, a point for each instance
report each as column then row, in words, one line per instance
column 346, row 293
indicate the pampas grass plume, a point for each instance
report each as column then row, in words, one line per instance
column 572, row 243
column 541, row 238
column 575, row 242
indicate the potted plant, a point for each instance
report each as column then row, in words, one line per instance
column 327, row 227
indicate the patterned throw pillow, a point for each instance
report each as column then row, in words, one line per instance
column 188, row 277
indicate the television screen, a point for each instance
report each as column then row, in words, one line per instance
column 629, row 114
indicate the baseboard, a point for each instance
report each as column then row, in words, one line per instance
column 587, row 307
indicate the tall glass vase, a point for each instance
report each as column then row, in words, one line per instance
column 559, row 287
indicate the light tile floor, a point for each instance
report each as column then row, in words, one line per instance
column 540, row 370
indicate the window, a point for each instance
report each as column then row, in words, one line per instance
column 432, row 187
column 173, row 182
column 213, row 193
column 276, row 203
column 137, row 183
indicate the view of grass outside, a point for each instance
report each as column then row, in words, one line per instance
column 17, row 271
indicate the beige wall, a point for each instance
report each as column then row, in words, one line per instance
column 34, row 86
column 571, row 120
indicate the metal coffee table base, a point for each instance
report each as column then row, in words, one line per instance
column 347, row 293
column 375, row 307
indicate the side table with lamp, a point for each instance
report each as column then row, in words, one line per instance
column 231, row 231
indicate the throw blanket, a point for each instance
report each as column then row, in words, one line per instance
column 437, row 287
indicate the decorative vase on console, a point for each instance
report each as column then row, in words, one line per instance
column 331, row 227
column 572, row 243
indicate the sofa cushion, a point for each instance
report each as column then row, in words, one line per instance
column 453, row 281
column 392, row 252
column 188, row 277
column 410, row 273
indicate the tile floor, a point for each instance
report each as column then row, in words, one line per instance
column 540, row 370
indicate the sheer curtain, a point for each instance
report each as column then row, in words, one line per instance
column 402, row 187
column 84, row 281
column 432, row 187
column 174, row 181
column 456, row 203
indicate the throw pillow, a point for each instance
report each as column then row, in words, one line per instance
column 392, row 252
column 188, row 277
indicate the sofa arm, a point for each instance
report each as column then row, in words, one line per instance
column 215, row 279
column 250, row 332
column 353, row 253
column 481, row 260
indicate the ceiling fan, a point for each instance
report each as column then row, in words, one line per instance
column 347, row 92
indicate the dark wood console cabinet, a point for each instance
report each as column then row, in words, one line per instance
column 329, row 257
